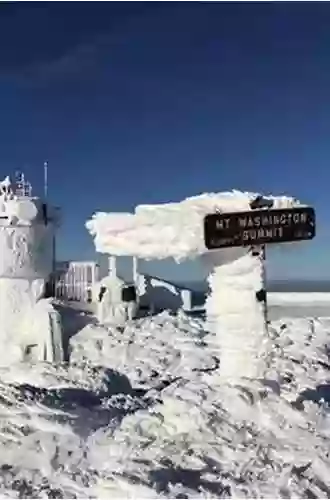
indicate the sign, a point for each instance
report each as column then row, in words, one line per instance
column 258, row 227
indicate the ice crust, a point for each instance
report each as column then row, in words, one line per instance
column 169, row 229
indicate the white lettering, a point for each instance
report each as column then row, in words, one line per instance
column 222, row 224
column 242, row 222
column 296, row 218
column 250, row 222
column 303, row 218
column 257, row 221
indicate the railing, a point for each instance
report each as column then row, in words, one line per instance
column 74, row 281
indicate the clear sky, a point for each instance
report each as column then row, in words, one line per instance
column 152, row 102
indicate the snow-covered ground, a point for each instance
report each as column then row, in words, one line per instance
column 141, row 411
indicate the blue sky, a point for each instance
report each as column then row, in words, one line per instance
column 151, row 102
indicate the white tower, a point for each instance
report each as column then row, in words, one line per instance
column 27, row 226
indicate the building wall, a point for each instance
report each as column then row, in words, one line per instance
column 26, row 251
column 26, row 259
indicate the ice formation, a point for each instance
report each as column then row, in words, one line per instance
column 111, row 308
column 26, row 248
column 169, row 229
column 176, row 230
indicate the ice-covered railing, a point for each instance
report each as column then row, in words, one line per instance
column 169, row 229
column 176, row 230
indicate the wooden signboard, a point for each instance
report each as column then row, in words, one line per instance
column 259, row 227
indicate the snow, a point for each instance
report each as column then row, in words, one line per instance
column 26, row 251
column 169, row 229
column 41, row 333
column 237, row 318
column 111, row 309
column 147, row 409
column 5, row 184
column 140, row 412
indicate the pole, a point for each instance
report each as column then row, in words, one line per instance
column 261, row 295
column 264, row 279
column 45, row 179
column 112, row 266
column 135, row 270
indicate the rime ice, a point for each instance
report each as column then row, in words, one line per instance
column 235, row 275
column 26, row 248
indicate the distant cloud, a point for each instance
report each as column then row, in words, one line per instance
column 71, row 63
column 76, row 61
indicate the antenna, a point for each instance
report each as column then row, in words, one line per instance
column 45, row 179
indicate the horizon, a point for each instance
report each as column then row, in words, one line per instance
column 151, row 102
column 277, row 286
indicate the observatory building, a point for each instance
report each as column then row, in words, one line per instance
column 27, row 258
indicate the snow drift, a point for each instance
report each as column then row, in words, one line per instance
column 139, row 413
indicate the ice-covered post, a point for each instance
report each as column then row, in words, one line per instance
column 135, row 270
column 237, row 305
column 260, row 252
column 221, row 229
column 234, row 314
column 112, row 266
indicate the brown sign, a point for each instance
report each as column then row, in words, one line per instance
column 257, row 227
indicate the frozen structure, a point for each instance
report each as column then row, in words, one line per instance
column 29, row 324
column 158, row 294
column 236, row 275
column 74, row 280
column 116, row 301
column 155, row 294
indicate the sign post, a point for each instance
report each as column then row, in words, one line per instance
column 261, row 294
column 237, row 305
